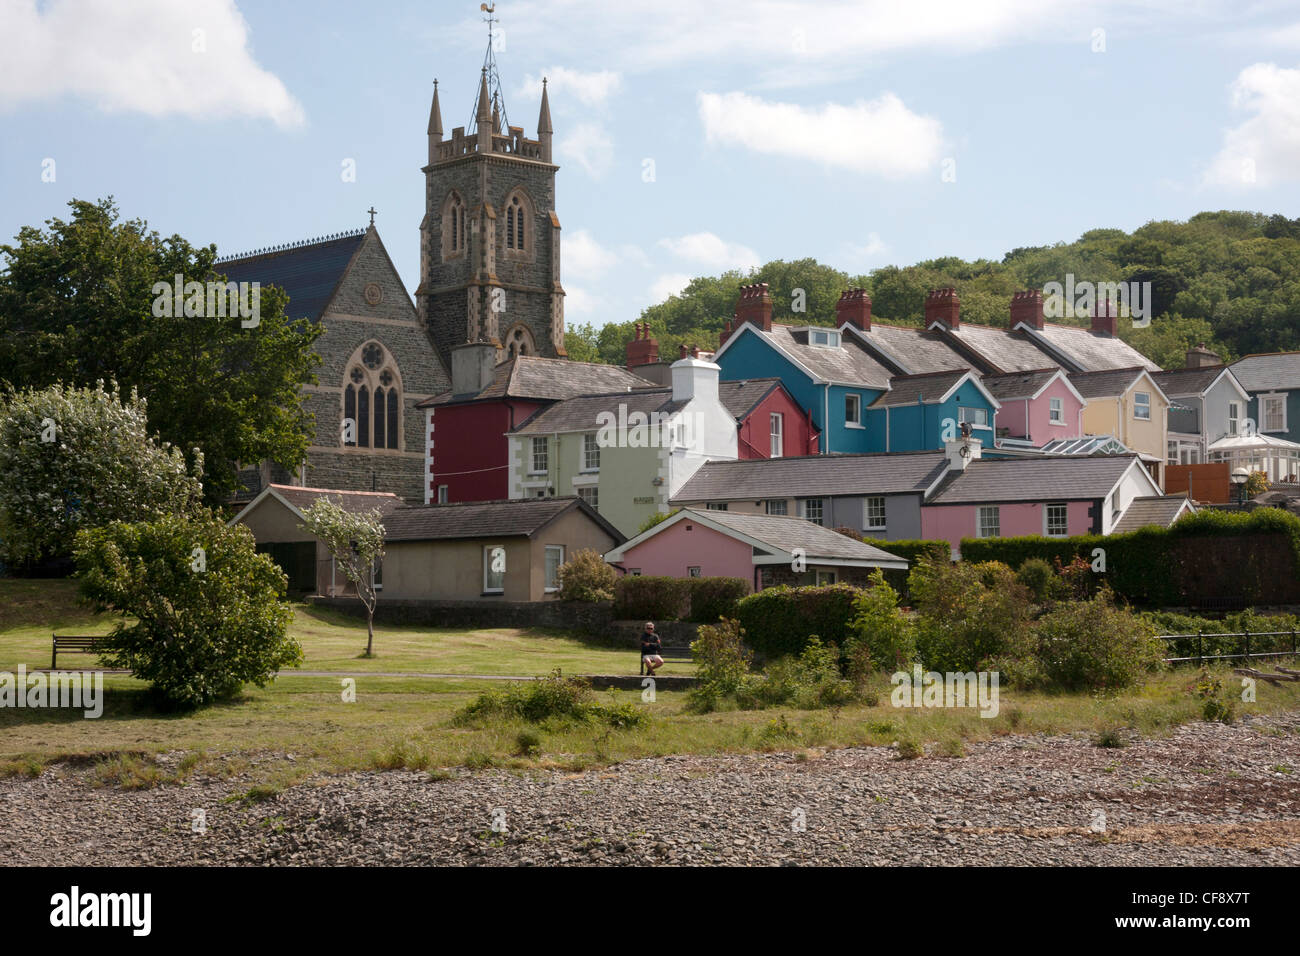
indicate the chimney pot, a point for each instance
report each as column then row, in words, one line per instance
column 1104, row 320
column 755, row 306
column 854, row 308
column 642, row 350
column 943, row 306
column 1027, row 309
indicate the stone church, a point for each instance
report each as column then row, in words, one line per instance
column 489, row 273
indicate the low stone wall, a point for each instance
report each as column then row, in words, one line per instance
column 594, row 619
column 671, row 633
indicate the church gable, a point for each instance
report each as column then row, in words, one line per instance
column 369, row 286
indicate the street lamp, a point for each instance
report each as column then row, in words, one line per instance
column 1239, row 478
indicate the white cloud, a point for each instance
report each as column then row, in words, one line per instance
column 709, row 250
column 880, row 137
column 770, row 34
column 156, row 57
column 578, row 301
column 669, row 284
column 583, row 256
column 869, row 250
column 588, row 145
column 1264, row 149
column 566, row 86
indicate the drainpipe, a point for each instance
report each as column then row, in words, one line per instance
column 826, row 417
column 1027, row 434
column 887, row 410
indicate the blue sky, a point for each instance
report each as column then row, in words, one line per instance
column 859, row 133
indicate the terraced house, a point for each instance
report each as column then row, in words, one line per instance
column 946, row 495
column 626, row 453
column 861, row 377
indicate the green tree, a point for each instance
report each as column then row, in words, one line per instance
column 77, row 304
column 205, row 609
column 586, row 577
column 355, row 540
column 74, row 458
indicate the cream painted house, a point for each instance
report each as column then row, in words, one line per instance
column 626, row 453
column 1129, row 406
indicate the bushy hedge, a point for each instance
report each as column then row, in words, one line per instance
column 780, row 620
column 715, row 598
column 1150, row 566
column 660, row 598
column 652, row 597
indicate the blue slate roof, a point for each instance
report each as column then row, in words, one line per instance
column 309, row 273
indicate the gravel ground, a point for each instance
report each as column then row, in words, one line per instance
column 1207, row 795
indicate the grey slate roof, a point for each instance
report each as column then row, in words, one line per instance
column 1155, row 509
column 580, row 414
column 914, row 350
column 849, row 364
column 350, row 501
column 740, row 397
column 1093, row 351
column 552, row 379
column 786, row 534
column 1009, row 350
column 1015, row 385
column 1068, row 478
column 308, row 273
column 1276, row 371
column 912, row 389
column 812, row 475
column 1187, row 381
column 523, row 517
column 1104, row 384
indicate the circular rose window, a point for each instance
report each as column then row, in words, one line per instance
column 373, row 356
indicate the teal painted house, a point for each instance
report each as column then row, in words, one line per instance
column 834, row 377
column 1273, row 383
column 921, row 412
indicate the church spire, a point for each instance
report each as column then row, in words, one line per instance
column 544, row 129
column 435, row 114
column 483, row 114
column 435, row 126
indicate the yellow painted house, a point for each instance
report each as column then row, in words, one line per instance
column 1128, row 405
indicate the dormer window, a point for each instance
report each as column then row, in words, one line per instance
column 827, row 338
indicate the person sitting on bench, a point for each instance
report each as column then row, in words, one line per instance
column 650, row 648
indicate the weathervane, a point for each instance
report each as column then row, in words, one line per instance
column 490, row 68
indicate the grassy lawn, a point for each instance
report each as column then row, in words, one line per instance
column 407, row 721
column 331, row 641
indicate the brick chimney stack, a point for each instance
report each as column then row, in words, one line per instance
column 942, row 305
column 1105, row 319
column 1201, row 357
column 642, row 350
column 1027, row 309
column 755, row 306
column 725, row 334
column 854, row 308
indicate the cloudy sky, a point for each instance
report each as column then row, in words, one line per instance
column 692, row 137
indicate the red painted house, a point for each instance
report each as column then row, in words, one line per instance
column 465, row 457
column 769, row 422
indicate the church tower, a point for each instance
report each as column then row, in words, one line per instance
column 490, row 238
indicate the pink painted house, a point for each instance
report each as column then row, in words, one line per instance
column 760, row 549
column 1052, row 495
column 1036, row 407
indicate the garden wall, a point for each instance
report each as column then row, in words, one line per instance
column 567, row 615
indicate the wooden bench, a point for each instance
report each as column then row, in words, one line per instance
column 676, row 655
column 74, row 644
